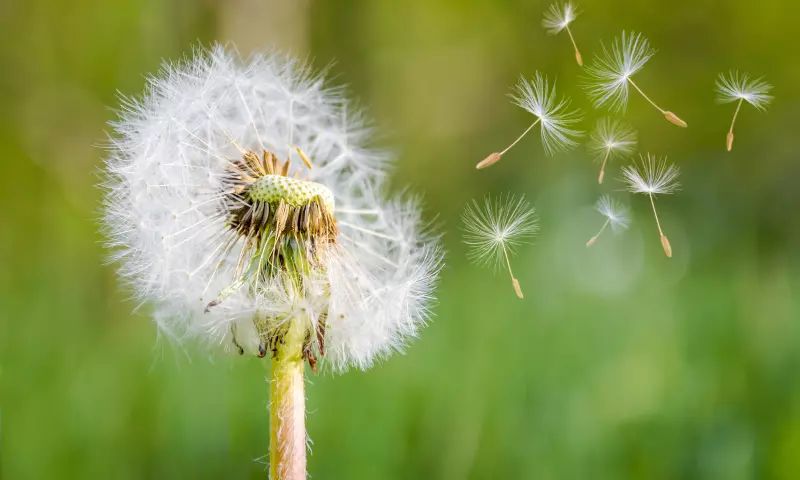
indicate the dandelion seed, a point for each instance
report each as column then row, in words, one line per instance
column 552, row 114
column 611, row 72
column 611, row 138
column 616, row 216
column 495, row 229
column 653, row 176
column 736, row 87
column 557, row 18
column 239, row 248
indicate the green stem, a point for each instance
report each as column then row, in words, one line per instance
column 287, row 453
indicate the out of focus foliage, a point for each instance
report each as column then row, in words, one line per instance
column 619, row 363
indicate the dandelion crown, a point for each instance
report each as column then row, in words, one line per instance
column 232, row 244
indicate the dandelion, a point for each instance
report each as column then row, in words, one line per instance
column 740, row 88
column 616, row 216
column 611, row 72
column 611, row 138
column 552, row 114
column 653, row 176
column 494, row 230
column 235, row 244
column 557, row 18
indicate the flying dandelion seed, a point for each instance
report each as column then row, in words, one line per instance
column 653, row 176
column 611, row 72
column 557, row 18
column 740, row 88
column 495, row 229
column 617, row 216
column 552, row 114
column 213, row 226
column 609, row 139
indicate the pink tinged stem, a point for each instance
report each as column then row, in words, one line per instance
column 287, row 406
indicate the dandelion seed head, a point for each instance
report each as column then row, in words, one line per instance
column 498, row 226
column 737, row 86
column 615, row 211
column 613, row 138
column 228, row 240
column 608, row 75
column 559, row 16
column 651, row 175
column 556, row 120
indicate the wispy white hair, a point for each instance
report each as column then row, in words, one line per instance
column 166, row 219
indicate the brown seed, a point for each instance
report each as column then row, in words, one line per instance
column 489, row 161
column 600, row 179
column 517, row 288
column 674, row 119
column 303, row 157
column 578, row 58
column 591, row 241
column 268, row 165
column 666, row 245
column 730, row 141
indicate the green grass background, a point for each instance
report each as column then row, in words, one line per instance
column 619, row 363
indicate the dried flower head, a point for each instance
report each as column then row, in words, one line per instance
column 495, row 229
column 233, row 243
column 611, row 138
column 736, row 87
column 653, row 176
column 611, row 72
column 557, row 18
column 616, row 213
column 552, row 114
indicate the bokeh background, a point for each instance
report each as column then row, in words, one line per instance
column 619, row 363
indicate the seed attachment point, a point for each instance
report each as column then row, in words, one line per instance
column 517, row 288
column 674, row 119
column 489, row 161
column 666, row 245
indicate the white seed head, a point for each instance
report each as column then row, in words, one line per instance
column 735, row 86
column 496, row 226
column 613, row 138
column 651, row 175
column 538, row 98
column 615, row 211
column 202, row 215
column 607, row 81
column 559, row 16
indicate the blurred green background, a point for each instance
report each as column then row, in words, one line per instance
column 619, row 363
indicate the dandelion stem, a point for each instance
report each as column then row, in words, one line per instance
column 603, row 167
column 730, row 132
column 594, row 239
column 671, row 117
column 652, row 203
column 520, row 137
column 514, row 281
column 664, row 241
column 287, row 407
column 646, row 97
column 577, row 52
